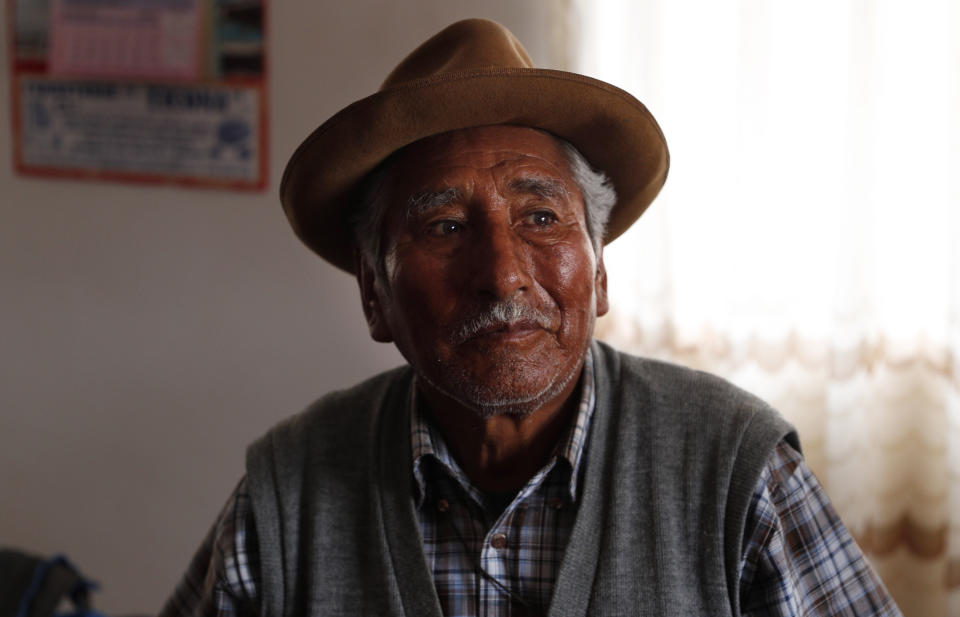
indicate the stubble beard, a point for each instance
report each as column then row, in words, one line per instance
column 498, row 395
column 501, row 386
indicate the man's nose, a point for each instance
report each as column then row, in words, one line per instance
column 500, row 262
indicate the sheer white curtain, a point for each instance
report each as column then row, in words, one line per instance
column 807, row 242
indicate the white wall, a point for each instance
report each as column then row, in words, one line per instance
column 147, row 333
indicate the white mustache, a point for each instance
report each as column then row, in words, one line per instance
column 498, row 314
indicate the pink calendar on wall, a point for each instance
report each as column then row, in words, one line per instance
column 127, row 39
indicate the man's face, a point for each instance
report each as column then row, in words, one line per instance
column 491, row 284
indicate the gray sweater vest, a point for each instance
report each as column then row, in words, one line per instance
column 672, row 461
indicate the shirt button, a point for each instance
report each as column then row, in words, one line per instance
column 443, row 505
column 498, row 541
column 557, row 503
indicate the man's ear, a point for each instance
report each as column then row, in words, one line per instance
column 600, row 285
column 373, row 308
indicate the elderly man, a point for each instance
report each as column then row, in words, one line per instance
column 515, row 467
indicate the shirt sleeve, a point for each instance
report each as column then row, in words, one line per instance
column 223, row 576
column 799, row 560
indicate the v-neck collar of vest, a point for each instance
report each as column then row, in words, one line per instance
column 398, row 518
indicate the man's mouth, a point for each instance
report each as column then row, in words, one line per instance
column 508, row 330
column 505, row 320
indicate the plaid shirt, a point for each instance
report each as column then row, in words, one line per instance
column 499, row 555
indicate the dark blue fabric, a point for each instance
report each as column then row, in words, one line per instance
column 77, row 592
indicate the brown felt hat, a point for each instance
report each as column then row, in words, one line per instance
column 473, row 73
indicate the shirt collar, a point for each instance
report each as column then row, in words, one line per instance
column 426, row 440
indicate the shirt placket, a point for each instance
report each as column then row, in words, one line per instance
column 496, row 556
column 503, row 548
column 458, row 524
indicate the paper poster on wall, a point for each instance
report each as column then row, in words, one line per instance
column 168, row 130
column 143, row 90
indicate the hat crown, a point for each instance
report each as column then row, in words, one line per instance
column 465, row 45
column 472, row 73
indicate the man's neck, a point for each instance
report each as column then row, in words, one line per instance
column 502, row 452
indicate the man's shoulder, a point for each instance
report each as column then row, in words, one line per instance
column 672, row 393
column 347, row 413
column 661, row 379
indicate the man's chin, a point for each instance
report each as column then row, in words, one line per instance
column 490, row 409
column 510, row 396
column 486, row 406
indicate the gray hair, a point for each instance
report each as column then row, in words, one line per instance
column 598, row 193
column 599, row 196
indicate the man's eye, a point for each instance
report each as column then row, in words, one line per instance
column 444, row 228
column 542, row 218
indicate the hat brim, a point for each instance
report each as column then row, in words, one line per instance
column 612, row 129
